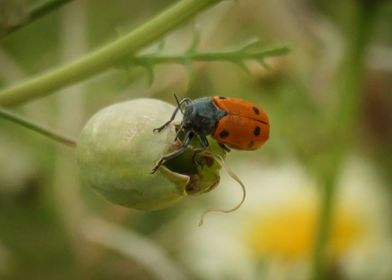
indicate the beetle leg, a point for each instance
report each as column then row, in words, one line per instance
column 179, row 131
column 187, row 139
column 224, row 147
column 159, row 129
column 204, row 141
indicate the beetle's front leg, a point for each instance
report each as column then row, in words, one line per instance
column 187, row 139
column 167, row 157
column 224, row 147
column 159, row 129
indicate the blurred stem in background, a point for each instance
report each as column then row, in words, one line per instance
column 6, row 114
column 249, row 51
column 32, row 14
column 133, row 246
column 66, row 188
column 341, row 125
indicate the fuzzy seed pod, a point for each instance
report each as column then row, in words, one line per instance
column 117, row 150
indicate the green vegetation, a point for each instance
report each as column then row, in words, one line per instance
column 325, row 89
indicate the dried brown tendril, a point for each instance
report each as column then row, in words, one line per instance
column 220, row 160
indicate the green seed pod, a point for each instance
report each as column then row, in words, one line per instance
column 117, row 150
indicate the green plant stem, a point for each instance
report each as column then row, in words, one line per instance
column 341, row 126
column 6, row 114
column 235, row 55
column 104, row 57
column 34, row 13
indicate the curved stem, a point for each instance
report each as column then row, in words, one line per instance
column 104, row 57
column 6, row 114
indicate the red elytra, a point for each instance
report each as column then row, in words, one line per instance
column 245, row 127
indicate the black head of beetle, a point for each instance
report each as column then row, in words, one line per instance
column 201, row 116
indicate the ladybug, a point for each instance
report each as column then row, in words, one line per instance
column 233, row 122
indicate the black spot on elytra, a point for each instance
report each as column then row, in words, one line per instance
column 257, row 112
column 251, row 143
column 222, row 97
column 257, row 131
column 224, row 134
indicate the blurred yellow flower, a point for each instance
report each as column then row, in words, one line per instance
column 272, row 235
column 289, row 233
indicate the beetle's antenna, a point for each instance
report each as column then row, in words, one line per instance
column 219, row 159
column 178, row 102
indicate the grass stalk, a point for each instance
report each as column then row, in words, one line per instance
column 350, row 93
column 8, row 115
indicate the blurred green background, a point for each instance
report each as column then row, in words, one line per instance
column 319, row 192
